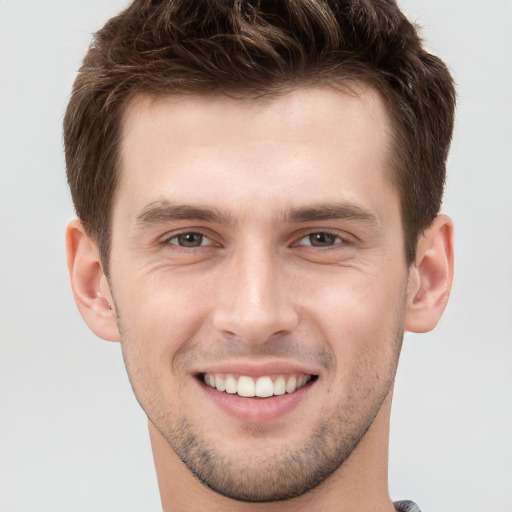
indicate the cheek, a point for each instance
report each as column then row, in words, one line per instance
column 158, row 320
column 364, row 333
column 164, row 303
column 360, row 315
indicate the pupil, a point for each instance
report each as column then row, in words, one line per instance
column 190, row 239
column 321, row 239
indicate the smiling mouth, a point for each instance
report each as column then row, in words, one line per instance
column 260, row 387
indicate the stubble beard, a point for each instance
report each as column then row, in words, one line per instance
column 282, row 476
column 288, row 472
column 292, row 472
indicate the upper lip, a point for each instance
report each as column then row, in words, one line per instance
column 256, row 368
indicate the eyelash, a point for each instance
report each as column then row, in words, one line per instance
column 338, row 240
column 169, row 240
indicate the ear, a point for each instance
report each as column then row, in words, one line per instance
column 430, row 278
column 90, row 286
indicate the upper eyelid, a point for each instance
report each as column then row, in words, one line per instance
column 342, row 235
column 168, row 244
column 188, row 233
column 336, row 244
column 323, row 232
column 170, row 235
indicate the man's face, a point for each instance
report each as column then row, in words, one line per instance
column 257, row 246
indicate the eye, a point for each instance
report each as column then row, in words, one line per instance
column 190, row 240
column 320, row 239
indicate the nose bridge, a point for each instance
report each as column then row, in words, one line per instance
column 253, row 303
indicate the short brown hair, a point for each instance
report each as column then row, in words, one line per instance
column 254, row 48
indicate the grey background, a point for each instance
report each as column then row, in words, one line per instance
column 72, row 437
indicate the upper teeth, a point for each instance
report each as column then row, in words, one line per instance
column 261, row 387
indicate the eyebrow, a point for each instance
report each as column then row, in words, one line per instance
column 331, row 212
column 160, row 212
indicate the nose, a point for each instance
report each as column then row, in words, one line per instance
column 254, row 301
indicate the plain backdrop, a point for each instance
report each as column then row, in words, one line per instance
column 72, row 437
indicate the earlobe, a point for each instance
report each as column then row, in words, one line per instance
column 89, row 284
column 430, row 278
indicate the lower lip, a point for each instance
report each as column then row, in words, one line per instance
column 256, row 410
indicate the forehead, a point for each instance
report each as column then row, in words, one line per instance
column 307, row 114
column 302, row 145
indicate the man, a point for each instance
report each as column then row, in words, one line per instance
column 258, row 188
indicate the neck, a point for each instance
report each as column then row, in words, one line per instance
column 361, row 483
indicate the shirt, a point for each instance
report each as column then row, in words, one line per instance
column 406, row 506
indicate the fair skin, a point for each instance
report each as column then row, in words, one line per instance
column 259, row 244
